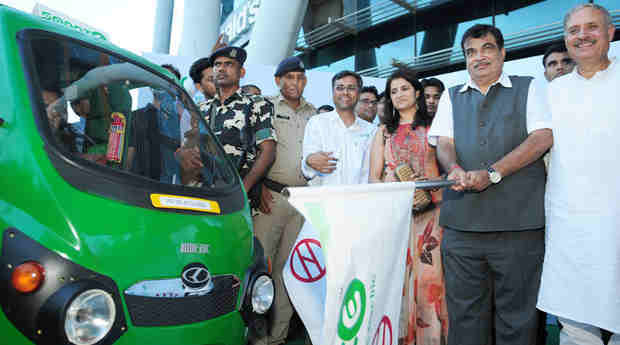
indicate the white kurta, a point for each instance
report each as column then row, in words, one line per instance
column 350, row 145
column 581, row 271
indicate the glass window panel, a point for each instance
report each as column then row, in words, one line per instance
column 335, row 67
column 462, row 27
column 400, row 50
column 419, row 39
column 90, row 109
column 542, row 13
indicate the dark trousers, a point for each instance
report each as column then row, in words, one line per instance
column 492, row 280
column 542, row 328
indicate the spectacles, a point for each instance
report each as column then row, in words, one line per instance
column 369, row 102
column 342, row 88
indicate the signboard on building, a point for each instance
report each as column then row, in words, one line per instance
column 60, row 18
column 238, row 26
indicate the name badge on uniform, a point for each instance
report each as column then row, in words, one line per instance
column 283, row 117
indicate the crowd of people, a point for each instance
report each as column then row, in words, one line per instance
column 530, row 222
column 476, row 250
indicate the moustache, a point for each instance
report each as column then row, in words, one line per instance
column 586, row 40
column 484, row 62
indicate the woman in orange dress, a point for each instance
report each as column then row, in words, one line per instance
column 401, row 140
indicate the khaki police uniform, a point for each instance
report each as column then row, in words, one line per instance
column 278, row 231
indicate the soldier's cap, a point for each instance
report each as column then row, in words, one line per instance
column 236, row 53
column 290, row 64
column 195, row 71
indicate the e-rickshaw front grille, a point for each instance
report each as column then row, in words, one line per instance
column 172, row 311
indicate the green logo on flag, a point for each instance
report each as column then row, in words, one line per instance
column 352, row 310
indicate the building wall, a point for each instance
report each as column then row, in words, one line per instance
column 437, row 26
column 442, row 25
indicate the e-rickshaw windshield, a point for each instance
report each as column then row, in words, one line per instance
column 111, row 114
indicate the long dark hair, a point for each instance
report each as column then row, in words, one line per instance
column 392, row 116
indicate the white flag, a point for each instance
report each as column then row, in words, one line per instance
column 345, row 273
column 304, row 278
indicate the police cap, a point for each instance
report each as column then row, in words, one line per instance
column 236, row 53
column 290, row 64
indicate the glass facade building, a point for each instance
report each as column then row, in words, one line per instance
column 427, row 34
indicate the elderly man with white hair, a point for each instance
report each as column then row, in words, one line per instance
column 581, row 271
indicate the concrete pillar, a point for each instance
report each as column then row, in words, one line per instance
column 163, row 26
column 201, row 24
column 275, row 32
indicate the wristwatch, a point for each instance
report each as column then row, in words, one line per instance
column 494, row 176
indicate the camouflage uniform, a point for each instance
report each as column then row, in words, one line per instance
column 229, row 125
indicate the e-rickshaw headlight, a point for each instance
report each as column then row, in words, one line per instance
column 90, row 317
column 262, row 294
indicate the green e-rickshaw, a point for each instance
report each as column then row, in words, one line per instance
column 104, row 238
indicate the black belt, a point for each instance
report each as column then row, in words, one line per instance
column 273, row 185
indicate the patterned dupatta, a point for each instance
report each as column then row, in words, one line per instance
column 408, row 146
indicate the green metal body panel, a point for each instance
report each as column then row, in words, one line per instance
column 127, row 243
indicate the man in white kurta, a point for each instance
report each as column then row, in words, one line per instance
column 581, row 273
column 337, row 144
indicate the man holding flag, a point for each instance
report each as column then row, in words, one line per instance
column 344, row 273
column 491, row 133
